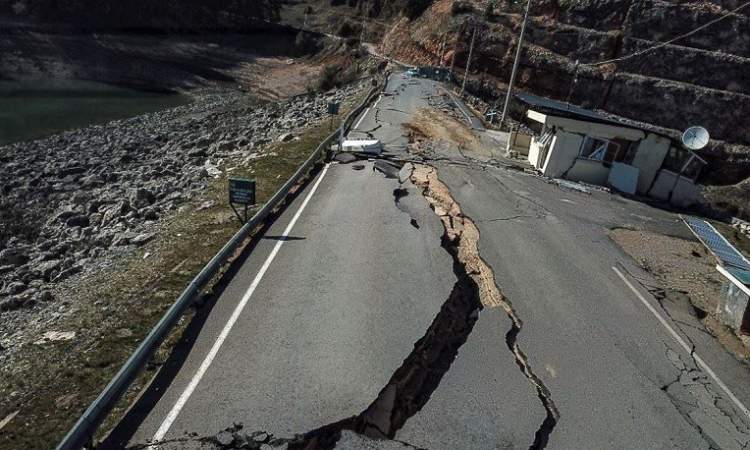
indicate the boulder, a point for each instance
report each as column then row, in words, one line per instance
column 197, row 152
column 286, row 137
column 15, row 287
column 13, row 257
column 78, row 221
column 47, row 268
column 142, row 238
column 12, row 303
column 141, row 197
column 67, row 214
column 123, row 238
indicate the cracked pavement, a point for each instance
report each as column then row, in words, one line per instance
column 379, row 328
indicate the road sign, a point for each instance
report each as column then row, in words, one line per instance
column 333, row 108
column 242, row 192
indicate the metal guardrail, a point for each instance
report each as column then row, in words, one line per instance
column 82, row 433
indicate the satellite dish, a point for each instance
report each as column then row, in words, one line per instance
column 695, row 138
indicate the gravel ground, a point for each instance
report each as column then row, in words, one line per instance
column 684, row 269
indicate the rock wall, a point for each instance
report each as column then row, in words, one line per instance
column 699, row 80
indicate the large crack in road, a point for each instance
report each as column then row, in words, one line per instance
column 463, row 236
column 411, row 385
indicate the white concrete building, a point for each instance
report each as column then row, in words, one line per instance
column 581, row 145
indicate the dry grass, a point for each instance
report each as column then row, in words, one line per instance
column 440, row 128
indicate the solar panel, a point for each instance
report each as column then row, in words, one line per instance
column 719, row 246
column 742, row 275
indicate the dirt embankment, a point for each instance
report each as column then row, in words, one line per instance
column 158, row 61
column 687, row 272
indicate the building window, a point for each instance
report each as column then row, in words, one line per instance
column 693, row 168
column 599, row 149
column 683, row 163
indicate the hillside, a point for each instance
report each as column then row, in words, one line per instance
column 701, row 79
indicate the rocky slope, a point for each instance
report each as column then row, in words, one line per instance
column 158, row 46
column 701, row 79
column 89, row 191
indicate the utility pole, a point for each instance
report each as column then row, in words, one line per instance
column 515, row 63
column 364, row 24
column 468, row 61
column 572, row 85
column 453, row 57
column 442, row 49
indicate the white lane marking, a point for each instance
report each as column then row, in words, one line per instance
column 175, row 411
column 684, row 344
column 367, row 111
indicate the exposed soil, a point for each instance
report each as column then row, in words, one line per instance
column 439, row 126
column 687, row 271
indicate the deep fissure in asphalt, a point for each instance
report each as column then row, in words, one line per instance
column 420, row 374
column 457, row 226
column 412, row 384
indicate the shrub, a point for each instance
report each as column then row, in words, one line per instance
column 334, row 75
column 347, row 29
column 415, row 8
column 461, row 7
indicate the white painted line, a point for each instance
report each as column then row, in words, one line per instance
column 361, row 119
column 367, row 111
column 684, row 344
column 175, row 411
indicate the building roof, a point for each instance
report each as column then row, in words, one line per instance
column 562, row 109
column 588, row 127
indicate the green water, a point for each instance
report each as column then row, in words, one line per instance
column 33, row 110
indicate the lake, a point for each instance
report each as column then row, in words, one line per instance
column 32, row 110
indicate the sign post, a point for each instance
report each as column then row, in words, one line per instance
column 333, row 110
column 241, row 192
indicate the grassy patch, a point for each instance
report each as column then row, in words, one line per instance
column 112, row 310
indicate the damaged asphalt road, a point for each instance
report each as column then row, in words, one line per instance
column 613, row 370
column 474, row 309
column 345, row 321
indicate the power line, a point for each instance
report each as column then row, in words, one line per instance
column 664, row 44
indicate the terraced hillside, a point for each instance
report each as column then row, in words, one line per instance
column 701, row 79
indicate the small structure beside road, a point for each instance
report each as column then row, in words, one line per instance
column 582, row 145
column 735, row 298
column 734, row 305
